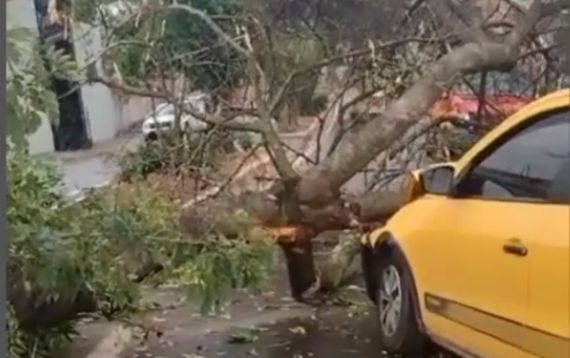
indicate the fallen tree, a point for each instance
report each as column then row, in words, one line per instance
column 412, row 72
column 312, row 201
column 301, row 203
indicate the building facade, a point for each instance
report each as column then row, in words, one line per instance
column 88, row 113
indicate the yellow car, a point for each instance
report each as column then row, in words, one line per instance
column 478, row 260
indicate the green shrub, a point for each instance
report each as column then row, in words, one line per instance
column 201, row 152
column 61, row 250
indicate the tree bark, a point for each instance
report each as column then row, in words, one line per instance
column 303, row 278
column 38, row 308
column 337, row 267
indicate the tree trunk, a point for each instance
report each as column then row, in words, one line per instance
column 337, row 267
column 37, row 308
column 303, row 280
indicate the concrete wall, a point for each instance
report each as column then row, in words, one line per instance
column 135, row 109
column 102, row 110
column 21, row 13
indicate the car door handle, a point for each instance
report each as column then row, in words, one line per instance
column 515, row 247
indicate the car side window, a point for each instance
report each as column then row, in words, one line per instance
column 532, row 164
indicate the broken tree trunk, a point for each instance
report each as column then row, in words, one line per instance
column 337, row 266
column 40, row 308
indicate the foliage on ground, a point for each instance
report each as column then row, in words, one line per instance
column 97, row 246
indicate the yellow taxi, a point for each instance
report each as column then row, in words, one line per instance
column 478, row 260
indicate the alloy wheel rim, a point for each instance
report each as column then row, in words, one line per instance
column 390, row 303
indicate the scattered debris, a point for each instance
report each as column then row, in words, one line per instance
column 186, row 355
column 243, row 336
column 298, row 330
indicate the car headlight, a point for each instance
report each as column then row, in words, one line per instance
column 148, row 125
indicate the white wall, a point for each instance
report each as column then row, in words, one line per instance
column 101, row 109
column 21, row 13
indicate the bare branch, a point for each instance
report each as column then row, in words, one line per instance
column 375, row 136
column 129, row 90
column 469, row 19
column 282, row 91
column 212, row 24
column 278, row 155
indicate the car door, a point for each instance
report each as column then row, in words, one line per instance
column 549, row 281
column 497, row 216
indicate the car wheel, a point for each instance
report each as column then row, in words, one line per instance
column 369, row 268
column 399, row 332
column 152, row 136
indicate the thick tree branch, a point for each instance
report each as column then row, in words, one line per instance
column 278, row 155
column 359, row 148
column 123, row 88
column 228, row 122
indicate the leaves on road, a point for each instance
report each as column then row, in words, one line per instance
column 243, row 336
column 300, row 330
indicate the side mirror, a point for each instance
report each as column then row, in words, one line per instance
column 438, row 179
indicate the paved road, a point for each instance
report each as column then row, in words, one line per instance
column 266, row 325
column 330, row 333
column 95, row 167
column 88, row 173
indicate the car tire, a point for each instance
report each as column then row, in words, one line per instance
column 151, row 137
column 369, row 269
column 398, row 321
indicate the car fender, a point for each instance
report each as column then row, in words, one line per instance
column 382, row 242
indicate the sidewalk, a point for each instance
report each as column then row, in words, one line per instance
column 109, row 148
column 94, row 167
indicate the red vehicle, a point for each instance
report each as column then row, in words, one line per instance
column 496, row 107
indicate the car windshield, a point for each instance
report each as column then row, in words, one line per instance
column 158, row 110
column 166, row 110
column 194, row 106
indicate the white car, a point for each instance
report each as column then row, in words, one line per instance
column 163, row 119
column 164, row 115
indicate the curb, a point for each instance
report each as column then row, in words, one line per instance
column 112, row 345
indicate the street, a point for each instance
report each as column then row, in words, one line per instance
column 270, row 326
